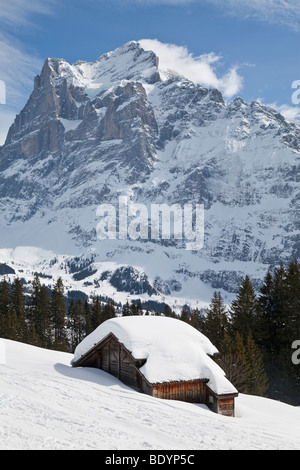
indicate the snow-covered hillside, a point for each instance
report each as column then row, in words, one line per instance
column 47, row 404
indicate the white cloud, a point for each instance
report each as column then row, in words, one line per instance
column 18, row 12
column 17, row 66
column 284, row 12
column 291, row 113
column 17, row 71
column 201, row 69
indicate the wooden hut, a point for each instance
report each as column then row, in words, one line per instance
column 160, row 356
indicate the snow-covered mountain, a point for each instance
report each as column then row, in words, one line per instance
column 122, row 126
column 46, row 404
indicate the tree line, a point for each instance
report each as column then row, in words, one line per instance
column 253, row 335
column 45, row 319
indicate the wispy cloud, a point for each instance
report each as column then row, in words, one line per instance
column 17, row 69
column 19, row 12
column 201, row 69
column 291, row 113
column 18, row 66
column 283, row 12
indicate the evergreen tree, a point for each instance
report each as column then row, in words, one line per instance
column 197, row 320
column 292, row 282
column 126, row 311
column 279, row 306
column 17, row 320
column 4, row 309
column 232, row 359
column 40, row 315
column 257, row 382
column 266, row 314
column 185, row 315
column 108, row 311
column 58, row 316
column 281, row 312
column 133, row 308
column 88, row 318
column 216, row 323
column 168, row 311
column 77, row 320
column 96, row 313
column 139, row 308
column 244, row 310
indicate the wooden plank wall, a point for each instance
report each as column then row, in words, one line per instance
column 116, row 360
column 192, row 391
column 226, row 406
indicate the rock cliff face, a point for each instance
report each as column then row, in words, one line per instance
column 91, row 132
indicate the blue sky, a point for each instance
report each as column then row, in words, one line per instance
column 249, row 49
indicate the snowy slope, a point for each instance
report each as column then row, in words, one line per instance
column 46, row 404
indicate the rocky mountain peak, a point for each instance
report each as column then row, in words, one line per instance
column 92, row 131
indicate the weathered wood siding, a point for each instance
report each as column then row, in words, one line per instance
column 193, row 391
column 226, row 406
column 221, row 404
column 115, row 359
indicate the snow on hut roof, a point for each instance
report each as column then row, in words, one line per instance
column 175, row 351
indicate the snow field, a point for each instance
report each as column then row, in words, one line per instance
column 47, row 404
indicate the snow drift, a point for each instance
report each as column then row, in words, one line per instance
column 46, row 404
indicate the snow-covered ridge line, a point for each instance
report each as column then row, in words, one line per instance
column 92, row 132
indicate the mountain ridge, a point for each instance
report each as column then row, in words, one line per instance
column 120, row 126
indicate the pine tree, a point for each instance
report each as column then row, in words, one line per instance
column 44, row 308
column 216, row 323
column 58, row 316
column 133, row 308
column 285, row 376
column 281, row 313
column 244, row 310
column 266, row 314
column 96, row 313
column 76, row 323
column 197, row 320
column 292, row 282
column 4, row 309
column 126, row 311
column 185, row 315
column 232, row 359
column 279, row 304
column 168, row 311
column 18, row 323
column 139, row 308
column 88, row 318
column 108, row 311
column 257, row 382
column 40, row 315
